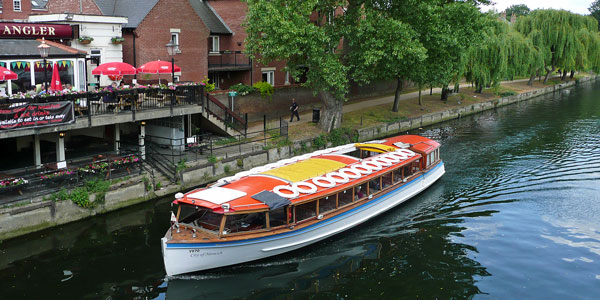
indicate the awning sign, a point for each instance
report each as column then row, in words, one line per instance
column 37, row 115
column 35, row 30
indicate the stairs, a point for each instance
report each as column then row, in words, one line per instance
column 158, row 161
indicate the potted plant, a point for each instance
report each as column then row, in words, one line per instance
column 117, row 40
column 85, row 39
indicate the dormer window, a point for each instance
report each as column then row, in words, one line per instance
column 17, row 5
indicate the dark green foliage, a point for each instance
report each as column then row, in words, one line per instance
column 242, row 89
column 81, row 197
column 518, row 10
column 265, row 89
column 595, row 10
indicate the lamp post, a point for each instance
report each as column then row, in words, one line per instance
column 172, row 49
column 44, row 49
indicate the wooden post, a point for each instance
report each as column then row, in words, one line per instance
column 268, row 220
column 222, row 226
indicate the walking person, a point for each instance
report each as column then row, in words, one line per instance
column 294, row 110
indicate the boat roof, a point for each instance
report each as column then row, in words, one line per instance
column 238, row 194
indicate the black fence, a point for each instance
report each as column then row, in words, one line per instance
column 28, row 183
column 89, row 104
column 228, row 60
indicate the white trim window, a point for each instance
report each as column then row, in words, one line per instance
column 96, row 53
column 269, row 76
column 17, row 5
column 213, row 44
column 175, row 40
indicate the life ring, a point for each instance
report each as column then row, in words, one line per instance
column 401, row 156
column 373, row 165
column 351, row 173
column 337, row 177
column 328, row 182
column 383, row 161
column 277, row 190
column 391, row 158
column 361, row 169
column 406, row 151
column 311, row 187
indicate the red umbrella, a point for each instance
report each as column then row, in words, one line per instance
column 6, row 74
column 157, row 67
column 55, row 85
column 114, row 68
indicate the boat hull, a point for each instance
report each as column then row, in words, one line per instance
column 180, row 258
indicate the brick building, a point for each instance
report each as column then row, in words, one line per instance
column 209, row 34
column 22, row 9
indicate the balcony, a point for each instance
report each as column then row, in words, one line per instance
column 229, row 61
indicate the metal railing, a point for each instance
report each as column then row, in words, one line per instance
column 89, row 104
column 28, row 183
column 229, row 60
column 226, row 115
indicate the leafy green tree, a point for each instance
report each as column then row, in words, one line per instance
column 517, row 10
column 445, row 29
column 335, row 42
column 595, row 10
column 565, row 40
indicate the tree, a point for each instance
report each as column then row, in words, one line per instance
column 564, row 40
column 595, row 10
column 445, row 29
column 327, row 39
column 517, row 10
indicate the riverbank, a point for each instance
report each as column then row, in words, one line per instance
column 41, row 214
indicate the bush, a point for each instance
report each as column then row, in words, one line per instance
column 208, row 87
column 81, row 197
column 507, row 93
column 242, row 89
column 265, row 89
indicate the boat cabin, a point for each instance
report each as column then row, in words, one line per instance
column 291, row 194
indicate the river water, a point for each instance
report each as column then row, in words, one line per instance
column 515, row 217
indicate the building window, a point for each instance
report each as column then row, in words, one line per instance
column 213, row 44
column 175, row 40
column 96, row 54
column 214, row 78
column 269, row 76
column 17, row 5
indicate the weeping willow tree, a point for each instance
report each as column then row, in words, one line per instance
column 564, row 40
column 486, row 62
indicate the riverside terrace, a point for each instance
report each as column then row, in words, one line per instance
column 106, row 120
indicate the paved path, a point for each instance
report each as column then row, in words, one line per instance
column 306, row 116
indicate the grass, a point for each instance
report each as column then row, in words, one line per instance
column 381, row 114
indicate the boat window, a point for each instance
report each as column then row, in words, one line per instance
column 355, row 153
column 397, row 175
column 278, row 217
column 386, row 180
column 244, row 222
column 360, row 191
column 306, row 211
column 345, row 197
column 375, row 185
column 200, row 217
column 327, row 204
